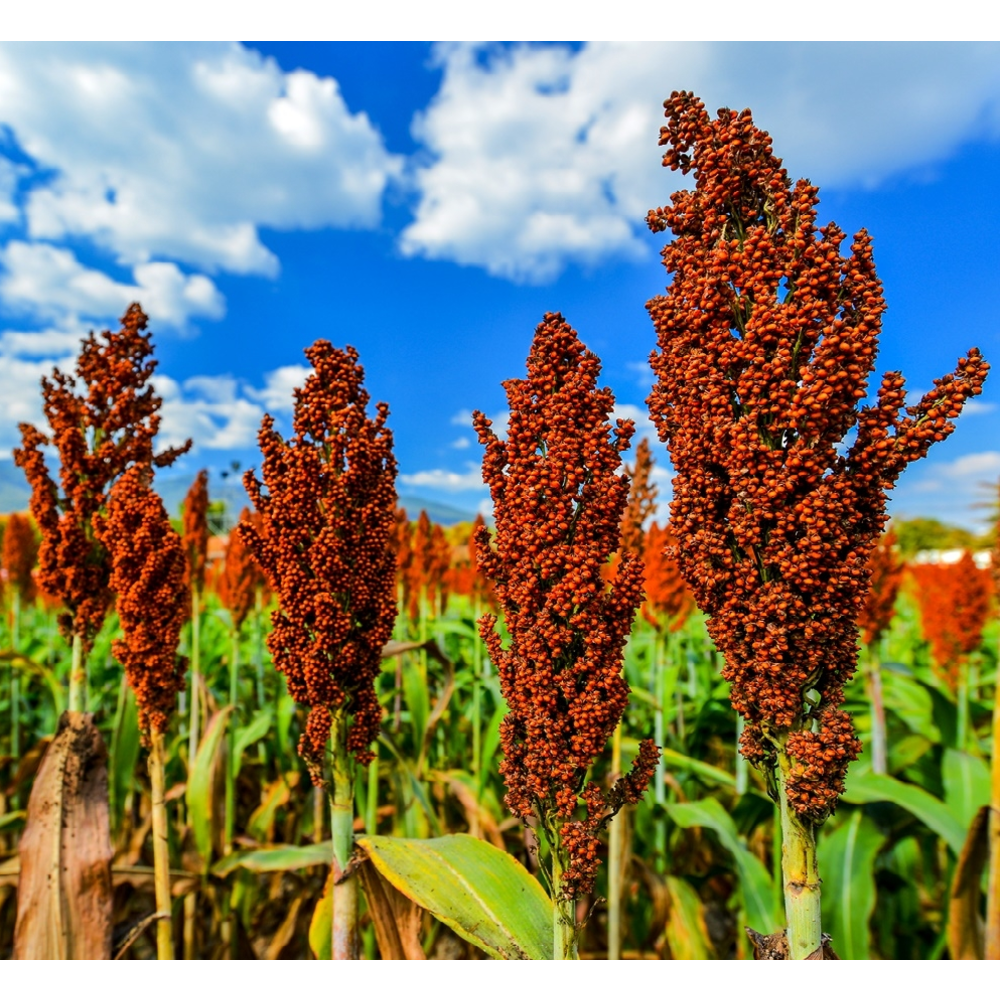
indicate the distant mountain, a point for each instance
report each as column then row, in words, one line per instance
column 15, row 494
column 439, row 513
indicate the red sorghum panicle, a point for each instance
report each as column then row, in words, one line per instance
column 98, row 434
column 240, row 577
column 20, row 553
column 558, row 500
column 148, row 571
column 886, row 569
column 668, row 602
column 641, row 500
column 196, row 531
column 954, row 600
column 767, row 337
column 326, row 548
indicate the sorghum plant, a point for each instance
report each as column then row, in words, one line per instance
column 148, row 577
column 558, row 501
column 98, row 434
column 954, row 601
column 767, row 337
column 325, row 546
column 886, row 569
column 196, row 552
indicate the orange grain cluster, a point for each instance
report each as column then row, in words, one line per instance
column 240, row 578
column 425, row 581
column 20, row 553
column 463, row 575
column 196, row 531
column 767, row 338
column 558, row 501
column 325, row 545
column 954, row 600
column 886, row 569
column 98, row 434
column 148, row 576
column 669, row 601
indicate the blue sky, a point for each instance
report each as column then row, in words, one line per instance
column 428, row 203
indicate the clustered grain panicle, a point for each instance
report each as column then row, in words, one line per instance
column 669, row 602
column 98, row 434
column 148, row 577
column 196, row 531
column 20, row 552
column 325, row 547
column 558, row 501
column 767, row 336
column 241, row 577
column 886, row 572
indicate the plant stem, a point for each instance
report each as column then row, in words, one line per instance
column 77, row 678
column 615, row 845
column 742, row 768
column 231, row 734
column 258, row 650
column 992, row 938
column 371, row 817
column 15, row 690
column 962, row 695
column 161, row 854
column 880, row 762
column 659, row 734
column 194, row 732
column 345, row 893
column 564, row 913
column 800, row 873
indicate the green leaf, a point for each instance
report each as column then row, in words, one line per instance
column 966, row 782
column 681, row 762
column 280, row 858
column 687, row 933
column 201, row 784
column 755, row 881
column 480, row 892
column 847, row 865
column 321, row 925
column 124, row 753
column 416, row 699
column 253, row 732
column 932, row 812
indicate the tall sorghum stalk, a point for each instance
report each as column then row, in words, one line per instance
column 767, row 337
column 238, row 587
column 954, row 601
column 148, row 577
column 196, row 552
column 20, row 551
column 558, row 501
column 640, row 507
column 325, row 546
column 992, row 935
column 886, row 570
column 98, row 435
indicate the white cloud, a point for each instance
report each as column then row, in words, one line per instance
column 461, row 443
column 957, row 492
column 49, row 283
column 640, row 417
column 442, row 479
column 208, row 409
column 276, row 396
column 500, row 419
column 184, row 151
column 542, row 156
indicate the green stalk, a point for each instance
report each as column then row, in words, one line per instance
column 194, row 731
column 258, row 651
column 799, row 872
column 161, row 855
column 564, row 936
column 345, row 893
column 371, row 814
column 962, row 695
column 77, row 678
column 992, row 937
column 231, row 738
column 742, row 768
column 615, row 845
column 659, row 734
column 15, row 690
column 880, row 758
column 477, row 669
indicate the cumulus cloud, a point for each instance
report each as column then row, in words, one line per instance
column 276, row 396
column 443, row 479
column 540, row 156
column 9, row 174
column 49, row 283
column 184, row 151
column 956, row 491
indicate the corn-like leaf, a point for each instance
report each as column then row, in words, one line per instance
column 199, row 793
column 933, row 813
column 321, row 925
column 847, row 866
column 480, row 892
column 280, row 858
column 755, row 881
column 965, row 926
column 687, row 933
column 966, row 782
column 254, row 731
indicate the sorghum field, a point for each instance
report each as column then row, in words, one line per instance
column 765, row 729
